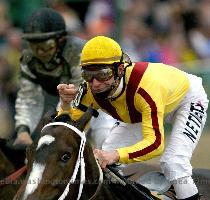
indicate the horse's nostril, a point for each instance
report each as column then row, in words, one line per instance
column 65, row 157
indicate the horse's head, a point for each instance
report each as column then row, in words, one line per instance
column 52, row 159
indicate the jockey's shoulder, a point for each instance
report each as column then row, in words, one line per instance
column 73, row 45
column 26, row 56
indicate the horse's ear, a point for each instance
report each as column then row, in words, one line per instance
column 81, row 123
column 65, row 117
column 30, row 150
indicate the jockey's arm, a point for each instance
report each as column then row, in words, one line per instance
column 152, row 144
column 29, row 100
column 151, row 104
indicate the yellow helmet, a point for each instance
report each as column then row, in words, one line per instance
column 101, row 50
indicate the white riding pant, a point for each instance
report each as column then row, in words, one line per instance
column 187, row 121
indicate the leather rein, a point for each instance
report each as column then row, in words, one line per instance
column 13, row 177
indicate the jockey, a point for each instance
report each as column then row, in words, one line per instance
column 51, row 57
column 141, row 96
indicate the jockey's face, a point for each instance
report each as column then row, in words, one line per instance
column 44, row 50
column 100, row 78
column 97, row 86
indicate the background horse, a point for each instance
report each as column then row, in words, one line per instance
column 52, row 161
column 8, row 188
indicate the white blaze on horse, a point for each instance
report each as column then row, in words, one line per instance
column 37, row 168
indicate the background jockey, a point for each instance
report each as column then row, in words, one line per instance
column 141, row 96
column 51, row 57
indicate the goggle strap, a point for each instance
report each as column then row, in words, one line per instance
column 121, row 59
column 115, row 71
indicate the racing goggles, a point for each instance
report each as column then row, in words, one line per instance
column 101, row 75
column 44, row 45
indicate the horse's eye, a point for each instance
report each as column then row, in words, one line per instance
column 65, row 157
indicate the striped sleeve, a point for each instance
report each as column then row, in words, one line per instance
column 152, row 129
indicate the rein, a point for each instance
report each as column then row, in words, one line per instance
column 13, row 177
column 100, row 181
column 79, row 163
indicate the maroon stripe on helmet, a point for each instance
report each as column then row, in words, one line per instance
column 134, row 80
column 155, row 125
column 106, row 105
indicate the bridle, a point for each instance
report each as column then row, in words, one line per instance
column 79, row 163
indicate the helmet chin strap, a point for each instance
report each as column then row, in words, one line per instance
column 116, row 87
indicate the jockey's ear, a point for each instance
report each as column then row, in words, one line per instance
column 65, row 117
column 82, row 122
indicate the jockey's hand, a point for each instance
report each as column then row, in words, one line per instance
column 23, row 138
column 106, row 157
column 67, row 93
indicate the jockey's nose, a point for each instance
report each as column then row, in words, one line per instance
column 95, row 82
column 40, row 51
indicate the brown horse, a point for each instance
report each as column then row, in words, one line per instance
column 57, row 171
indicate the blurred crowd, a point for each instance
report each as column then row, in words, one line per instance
column 168, row 31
